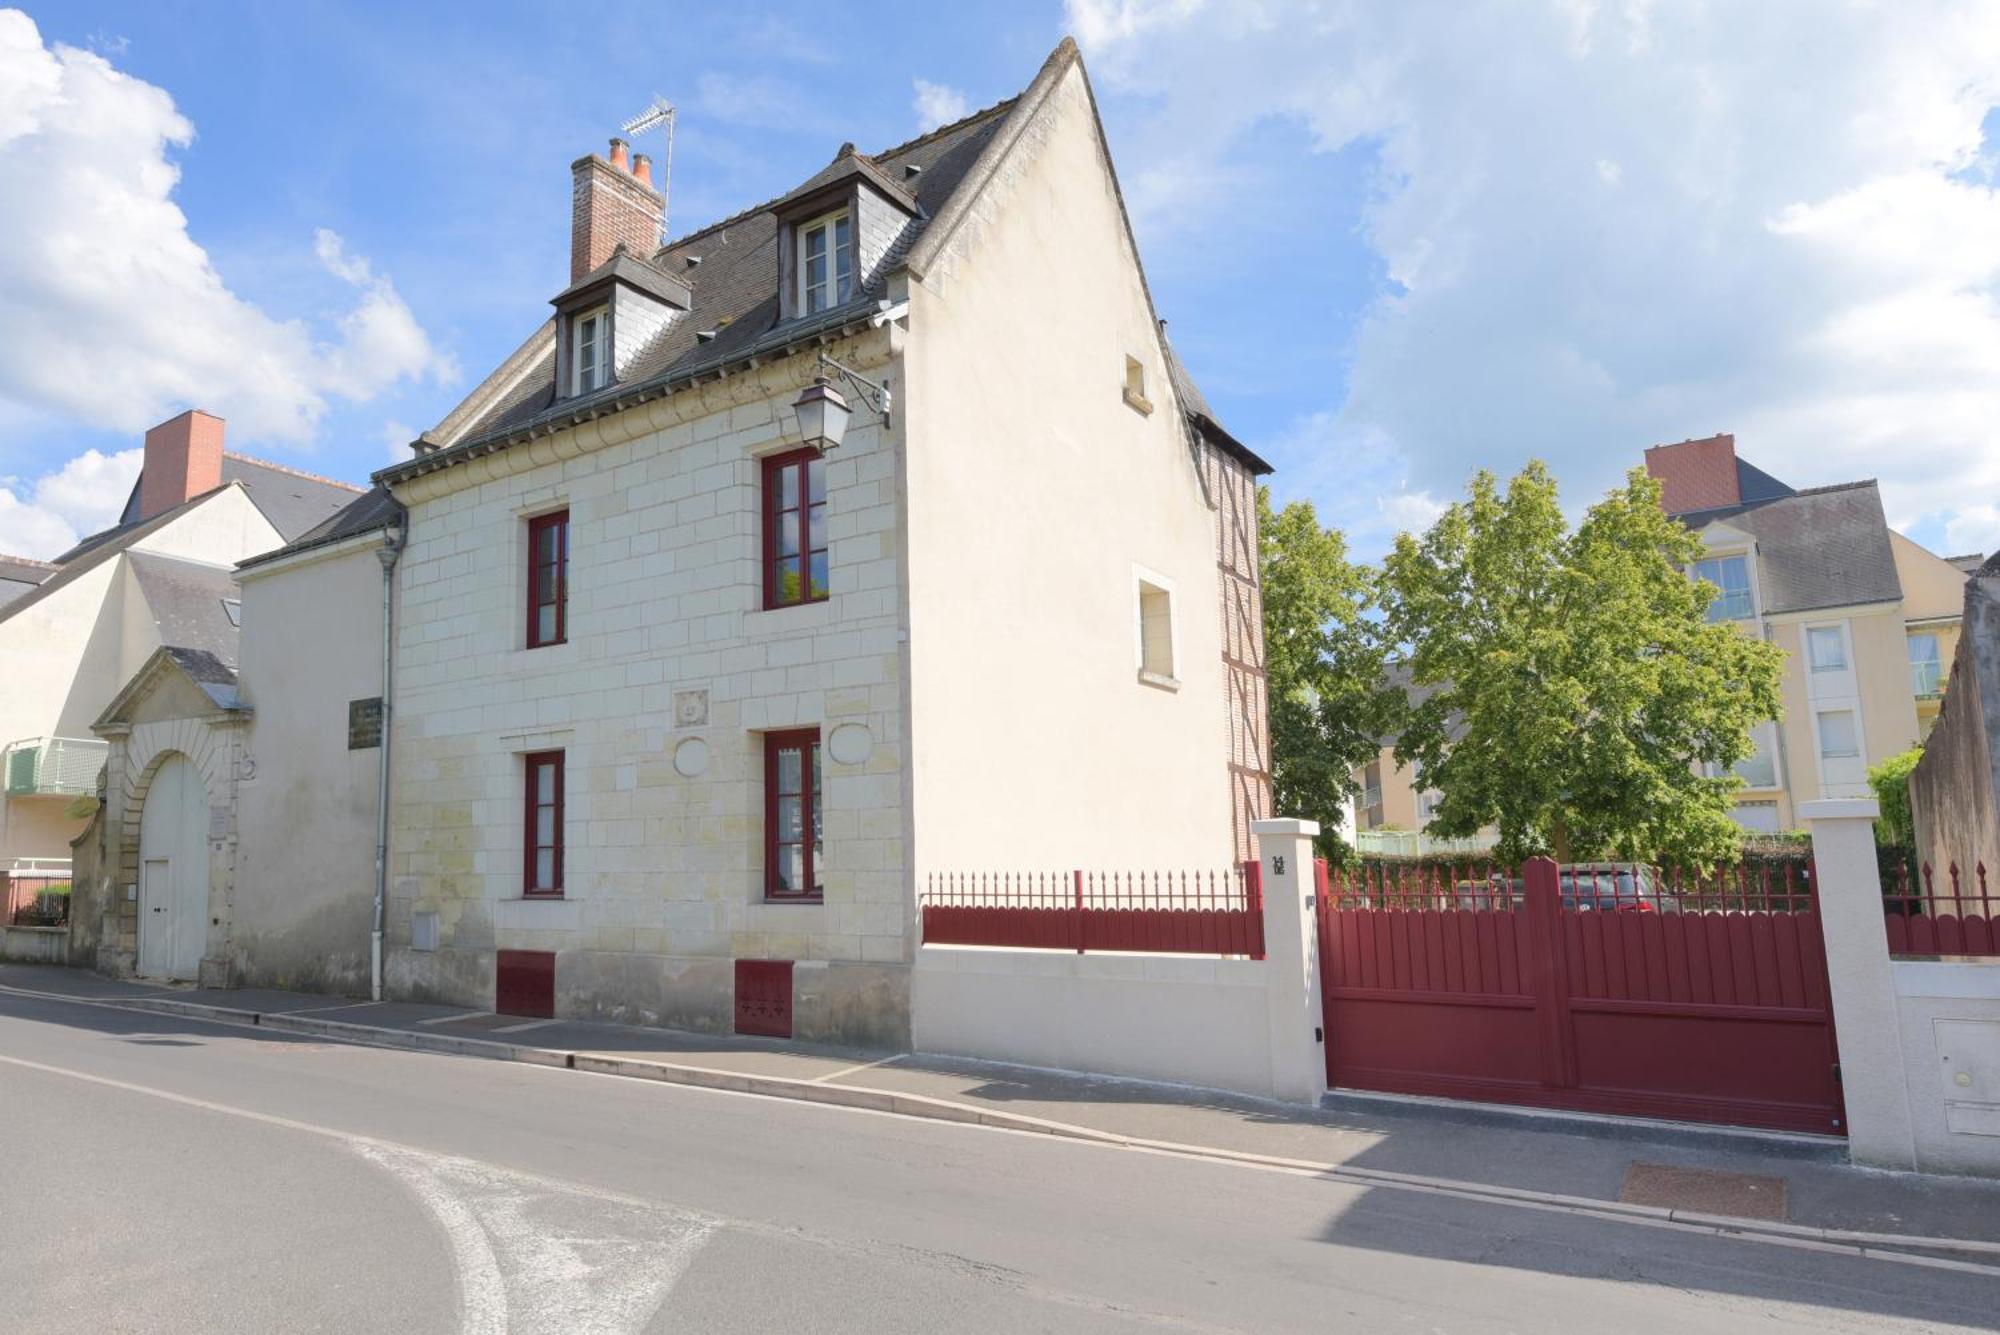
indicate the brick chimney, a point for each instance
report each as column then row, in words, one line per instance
column 183, row 460
column 608, row 204
column 1695, row 474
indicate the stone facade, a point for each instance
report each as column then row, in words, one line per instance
column 1952, row 791
column 671, row 665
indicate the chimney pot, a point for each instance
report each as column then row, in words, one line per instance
column 642, row 167
column 618, row 158
column 183, row 460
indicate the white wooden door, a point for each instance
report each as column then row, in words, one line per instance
column 173, row 879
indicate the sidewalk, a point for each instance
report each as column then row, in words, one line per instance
column 1577, row 1161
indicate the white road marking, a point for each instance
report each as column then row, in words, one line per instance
column 315, row 1010
column 851, row 1070
column 580, row 1260
column 447, row 1019
column 523, row 1028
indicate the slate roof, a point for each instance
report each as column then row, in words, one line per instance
column 1818, row 547
column 186, row 599
column 19, row 575
column 373, row 509
column 291, row 500
column 216, row 678
column 732, row 269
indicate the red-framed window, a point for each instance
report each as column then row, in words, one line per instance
column 548, row 579
column 795, row 568
column 792, row 789
column 542, row 831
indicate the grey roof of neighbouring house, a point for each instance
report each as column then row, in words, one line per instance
column 1820, row 547
column 732, row 269
column 293, row 501
column 186, row 599
column 372, row 510
column 216, row 678
column 19, row 575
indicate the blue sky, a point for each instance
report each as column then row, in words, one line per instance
column 1393, row 243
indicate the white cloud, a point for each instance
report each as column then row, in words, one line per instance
column 83, row 496
column 1609, row 225
column 936, row 105
column 111, row 313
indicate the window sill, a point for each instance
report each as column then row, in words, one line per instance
column 1138, row 402
column 1159, row 681
column 789, row 901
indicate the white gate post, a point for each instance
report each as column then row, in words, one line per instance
column 1291, row 950
column 1866, row 1017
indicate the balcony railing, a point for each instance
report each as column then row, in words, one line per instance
column 1414, row 843
column 53, row 765
column 1927, row 679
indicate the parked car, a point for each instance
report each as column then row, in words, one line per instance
column 1597, row 887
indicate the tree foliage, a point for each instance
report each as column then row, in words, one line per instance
column 1896, row 826
column 1323, row 662
column 1578, row 687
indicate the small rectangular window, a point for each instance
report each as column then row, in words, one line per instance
column 548, row 579
column 826, row 262
column 1826, row 649
column 591, row 349
column 1156, row 633
column 233, row 609
column 542, row 841
column 792, row 826
column 795, row 544
column 1731, row 577
column 1838, row 739
column 1135, row 385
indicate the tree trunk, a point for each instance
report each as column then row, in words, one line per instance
column 1559, row 840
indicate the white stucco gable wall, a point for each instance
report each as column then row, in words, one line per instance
column 222, row 530
column 1038, row 497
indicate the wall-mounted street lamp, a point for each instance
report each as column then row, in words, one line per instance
column 823, row 410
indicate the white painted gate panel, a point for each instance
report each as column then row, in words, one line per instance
column 173, row 873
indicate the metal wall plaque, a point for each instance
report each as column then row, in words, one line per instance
column 364, row 723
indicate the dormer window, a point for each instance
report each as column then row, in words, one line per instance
column 826, row 262
column 590, row 348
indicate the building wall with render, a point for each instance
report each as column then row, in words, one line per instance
column 671, row 665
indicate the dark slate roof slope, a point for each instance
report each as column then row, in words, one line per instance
column 1819, row 547
column 186, row 599
column 372, row 510
column 735, row 283
column 20, row 576
column 293, row 501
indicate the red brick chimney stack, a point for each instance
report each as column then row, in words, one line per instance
column 1696, row 474
column 183, row 460
column 612, row 201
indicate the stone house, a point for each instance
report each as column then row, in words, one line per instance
column 871, row 531
column 75, row 631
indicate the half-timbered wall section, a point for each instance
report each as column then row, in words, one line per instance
column 1232, row 489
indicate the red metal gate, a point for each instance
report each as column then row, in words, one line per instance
column 1606, row 991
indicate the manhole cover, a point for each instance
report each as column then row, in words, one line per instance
column 1704, row 1191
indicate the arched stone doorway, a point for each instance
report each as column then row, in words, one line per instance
column 173, row 871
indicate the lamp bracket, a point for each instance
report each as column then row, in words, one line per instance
column 876, row 396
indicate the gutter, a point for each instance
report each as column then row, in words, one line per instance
column 393, row 540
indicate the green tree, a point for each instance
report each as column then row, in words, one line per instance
column 1580, row 690
column 1323, row 660
column 1896, row 827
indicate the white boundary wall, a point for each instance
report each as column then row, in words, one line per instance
column 1919, row 1039
column 1249, row 1026
column 1189, row 1019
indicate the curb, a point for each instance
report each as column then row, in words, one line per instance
column 1851, row 1241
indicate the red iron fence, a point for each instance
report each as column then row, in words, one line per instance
column 1952, row 911
column 1171, row 913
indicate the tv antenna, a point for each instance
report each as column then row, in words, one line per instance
column 659, row 115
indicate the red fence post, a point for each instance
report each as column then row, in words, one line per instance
column 1076, row 918
column 1550, row 979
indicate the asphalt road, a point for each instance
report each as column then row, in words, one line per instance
column 162, row 1175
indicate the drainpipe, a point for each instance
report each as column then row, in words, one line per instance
column 391, row 549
